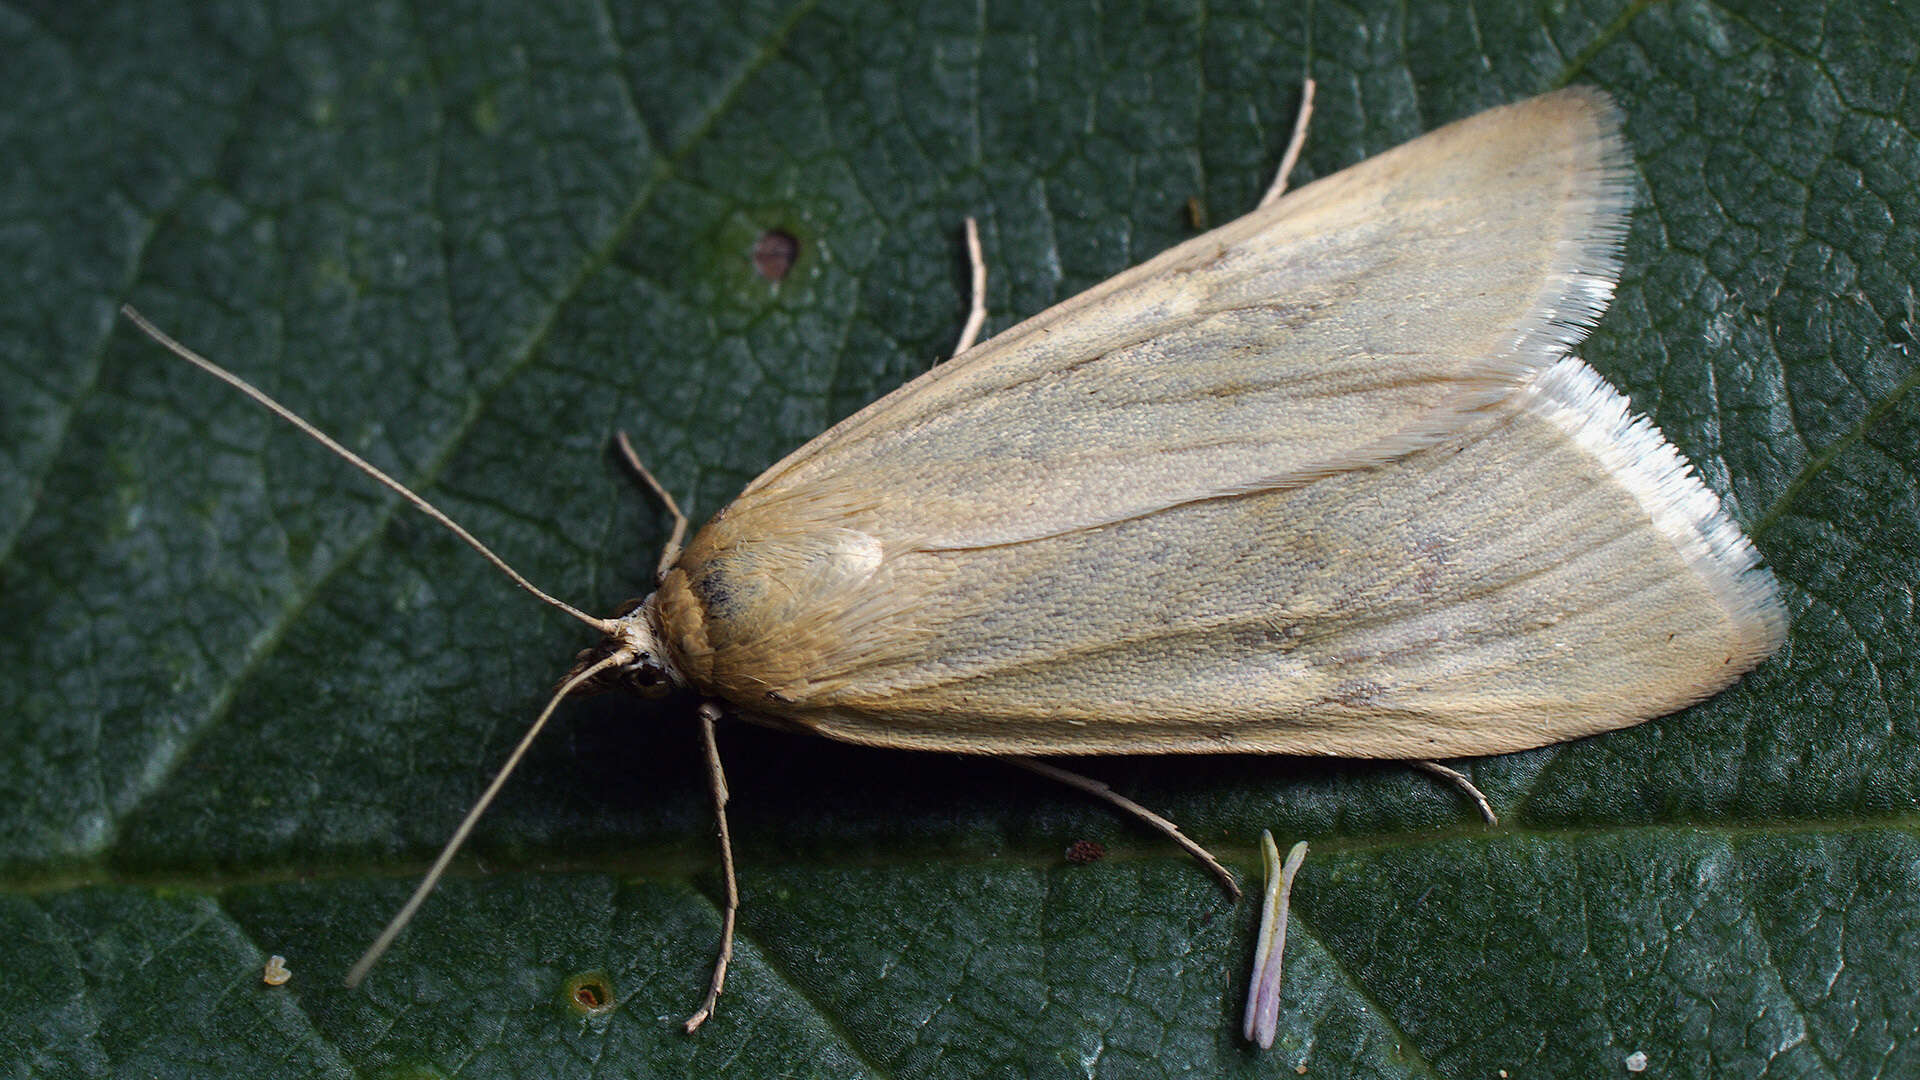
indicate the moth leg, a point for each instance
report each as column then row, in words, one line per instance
column 709, row 713
column 1162, row 825
column 672, row 551
column 977, row 313
column 1299, row 139
column 1459, row 779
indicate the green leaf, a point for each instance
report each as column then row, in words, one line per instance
column 244, row 695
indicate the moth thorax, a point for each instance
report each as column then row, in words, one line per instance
column 682, row 620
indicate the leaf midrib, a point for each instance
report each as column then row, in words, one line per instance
column 674, row 862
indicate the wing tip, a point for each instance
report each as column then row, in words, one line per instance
column 1598, row 418
column 1591, row 253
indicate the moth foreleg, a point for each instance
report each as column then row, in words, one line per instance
column 672, row 549
column 977, row 311
column 1459, row 779
column 1294, row 143
column 717, row 780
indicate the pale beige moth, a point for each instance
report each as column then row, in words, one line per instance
column 1325, row 480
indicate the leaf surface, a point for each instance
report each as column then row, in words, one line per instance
column 245, row 695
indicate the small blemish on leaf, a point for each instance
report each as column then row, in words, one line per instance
column 1900, row 329
column 775, row 253
column 1082, row 852
column 590, row 993
column 485, row 115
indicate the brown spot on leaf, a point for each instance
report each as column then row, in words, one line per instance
column 775, row 253
column 1081, row 852
column 590, row 993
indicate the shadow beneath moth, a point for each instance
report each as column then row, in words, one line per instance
column 1322, row 481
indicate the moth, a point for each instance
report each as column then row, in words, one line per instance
column 1325, row 480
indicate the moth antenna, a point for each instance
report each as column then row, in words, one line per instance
column 439, row 867
column 1299, row 139
column 358, row 462
column 709, row 713
column 1159, row 824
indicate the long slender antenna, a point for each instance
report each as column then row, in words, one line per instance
column 355, row 460
column 439, row 867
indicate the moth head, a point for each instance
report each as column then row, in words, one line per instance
column 632, row 631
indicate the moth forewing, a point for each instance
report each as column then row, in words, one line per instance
column 1311, row 483
column 1528, row 580
column 1347, row 323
